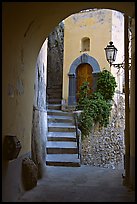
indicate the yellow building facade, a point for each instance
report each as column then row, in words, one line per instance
column 86, row 34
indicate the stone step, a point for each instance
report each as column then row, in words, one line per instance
column 61, row 147
column 54, row 90
column 61, row 127
column 61, row 144
column 60, row 118
column 52, row 97
column 62, row 136
column 63, row 160
column 66, row 125
column 54, row 106
column 54, row 94
column 59, row 113
column 54, row 101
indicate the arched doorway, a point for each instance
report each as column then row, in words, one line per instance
column 83, row 61
column 83, row 73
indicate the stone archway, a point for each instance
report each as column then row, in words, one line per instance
column 85, row 58
column 26, row 39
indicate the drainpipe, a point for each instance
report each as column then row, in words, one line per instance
column 127, row 109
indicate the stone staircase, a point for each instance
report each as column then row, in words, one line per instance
column 61, row 146
column 54, row 94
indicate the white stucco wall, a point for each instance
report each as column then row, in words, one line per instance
column 118, row 41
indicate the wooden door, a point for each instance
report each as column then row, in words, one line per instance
column 84, row 73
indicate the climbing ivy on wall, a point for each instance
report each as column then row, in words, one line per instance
column 96, row 106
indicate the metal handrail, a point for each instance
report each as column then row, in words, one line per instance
column 78, row 132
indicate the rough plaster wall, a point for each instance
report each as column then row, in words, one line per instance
column 39, row 122
column 41, row 78
column 17, row 89
column 38, row 142
column 18, row 74
column 21, row 42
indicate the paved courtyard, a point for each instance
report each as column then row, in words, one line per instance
column 80, row 184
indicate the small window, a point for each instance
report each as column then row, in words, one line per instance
column 85, row 44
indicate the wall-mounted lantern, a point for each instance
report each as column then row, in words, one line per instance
column 111, row 53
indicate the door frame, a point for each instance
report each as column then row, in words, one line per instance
column 84, row 58
column 84, row 70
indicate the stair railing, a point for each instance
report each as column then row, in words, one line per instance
column 76, row 114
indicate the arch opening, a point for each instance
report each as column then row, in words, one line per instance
column 83, row 59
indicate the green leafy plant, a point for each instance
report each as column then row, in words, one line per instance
column 106, row 84
column 96, row 106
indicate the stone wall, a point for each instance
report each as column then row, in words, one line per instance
column 105, row 147
column 39, row 117
column 55, row 64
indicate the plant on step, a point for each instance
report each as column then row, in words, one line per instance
column 96, row 106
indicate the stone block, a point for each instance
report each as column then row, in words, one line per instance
column 29, row 173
